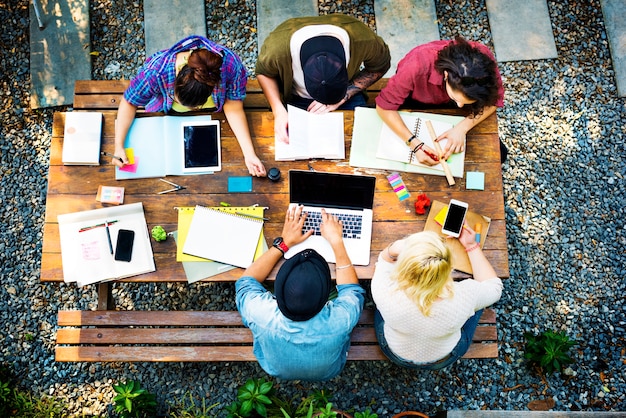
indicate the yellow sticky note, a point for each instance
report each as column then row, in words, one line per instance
column 441, row 216
column 130, row 154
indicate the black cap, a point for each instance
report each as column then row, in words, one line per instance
column 323, row 62
column 302, row 285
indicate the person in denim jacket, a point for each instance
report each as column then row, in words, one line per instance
column 299, row 334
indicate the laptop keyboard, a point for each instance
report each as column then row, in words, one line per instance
column 351, row 223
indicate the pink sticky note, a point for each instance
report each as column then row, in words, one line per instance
column 131, row 168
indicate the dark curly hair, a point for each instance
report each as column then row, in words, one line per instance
column 471, row 72
column 195, row 81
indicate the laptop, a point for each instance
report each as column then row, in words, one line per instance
column 348, row 196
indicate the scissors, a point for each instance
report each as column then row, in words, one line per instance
column 175, row 189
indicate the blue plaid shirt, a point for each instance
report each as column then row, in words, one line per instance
column 153, row 86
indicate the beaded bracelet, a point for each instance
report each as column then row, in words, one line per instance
column 343, row 267
column 473, row 247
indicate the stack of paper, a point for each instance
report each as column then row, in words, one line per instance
column 85, row 246
column 198, row 268
column 312, row 135
column 81, row 140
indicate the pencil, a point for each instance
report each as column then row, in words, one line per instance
column 87, row 228
column 252, row 216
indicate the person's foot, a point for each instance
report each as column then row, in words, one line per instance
column 504, row 152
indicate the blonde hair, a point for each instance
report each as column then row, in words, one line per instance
column 423, row 269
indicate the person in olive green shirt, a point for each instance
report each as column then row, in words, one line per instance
column 319, row 63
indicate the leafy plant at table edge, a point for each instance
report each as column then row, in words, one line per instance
column 186, row 407
column 132, row 401
column 548, row 351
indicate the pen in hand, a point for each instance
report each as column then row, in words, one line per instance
column 108, row 154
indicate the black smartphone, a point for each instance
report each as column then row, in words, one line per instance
column 124, row 246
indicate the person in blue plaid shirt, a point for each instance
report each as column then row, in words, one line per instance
column 194, row 74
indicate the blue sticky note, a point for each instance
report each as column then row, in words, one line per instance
column 475, row 180
column 239, row 184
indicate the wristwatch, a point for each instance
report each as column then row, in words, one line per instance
column 280, row 244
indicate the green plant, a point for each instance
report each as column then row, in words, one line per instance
column 132, row 401
column 365, row 414
column 253, row 397
column 548, row 351
column 327, row 411
column 187, row 407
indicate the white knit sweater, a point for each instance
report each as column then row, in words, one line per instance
column 413, row 336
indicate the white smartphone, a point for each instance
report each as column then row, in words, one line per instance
column 455, row 218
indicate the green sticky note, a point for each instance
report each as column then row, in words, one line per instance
column 475, row 180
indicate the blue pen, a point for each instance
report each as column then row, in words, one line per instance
column 478, row 229
column 109, row 236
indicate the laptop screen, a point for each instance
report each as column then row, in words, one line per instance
column 345, row 191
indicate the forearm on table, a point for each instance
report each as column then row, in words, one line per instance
column 481, row 267
column 263, row 266
column 236, row 116
column 344, row 270
column 125, row 117
column 392, row 251
column 393, row 120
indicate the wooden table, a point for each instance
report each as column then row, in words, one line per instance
column 73, row 188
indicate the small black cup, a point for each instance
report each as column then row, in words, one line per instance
column 273, row 174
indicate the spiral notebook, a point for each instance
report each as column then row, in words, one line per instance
column 392, row 147
column 224, row 237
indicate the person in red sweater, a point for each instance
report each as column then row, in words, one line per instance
column 456, row 72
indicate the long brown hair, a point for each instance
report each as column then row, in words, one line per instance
column 195, row 81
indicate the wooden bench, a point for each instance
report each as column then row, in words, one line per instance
column 111, row 335
column 206, row 336
column 106, row 94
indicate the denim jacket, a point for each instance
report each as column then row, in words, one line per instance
column 312, row 350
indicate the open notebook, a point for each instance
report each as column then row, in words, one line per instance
column 228, row 238
column 392, row 147
column 366, row 137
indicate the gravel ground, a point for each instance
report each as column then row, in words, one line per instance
column 564, row 192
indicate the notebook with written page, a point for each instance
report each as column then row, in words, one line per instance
column 350, row 197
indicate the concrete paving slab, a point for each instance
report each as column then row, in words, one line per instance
column 614, row 12
column 271, row 13
column 59, row 53
column 404, row 24
column 532, row 414
column 521, row 30
column 167, row 22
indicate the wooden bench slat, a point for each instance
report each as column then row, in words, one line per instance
column 210, row 354
column 203, row 336
column 162, row 336
column 156, row 354
column 241, row 335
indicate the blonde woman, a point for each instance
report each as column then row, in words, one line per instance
column 424, row 319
